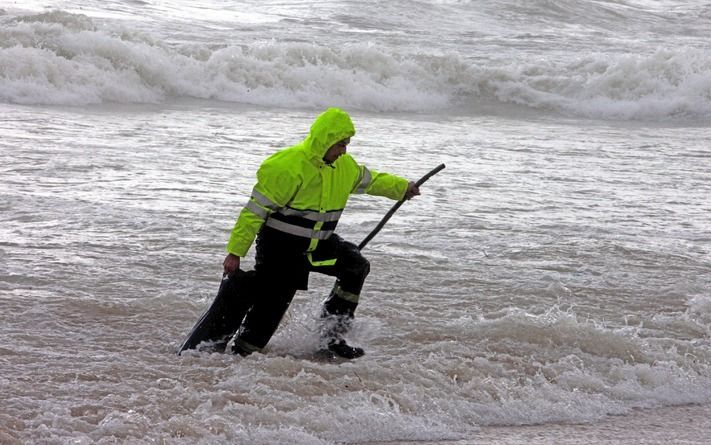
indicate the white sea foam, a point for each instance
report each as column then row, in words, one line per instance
column 554, row 272
column 130, row 209
column 700, row 311
column 65, row 59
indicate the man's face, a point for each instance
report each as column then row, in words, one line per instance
column 336, row 150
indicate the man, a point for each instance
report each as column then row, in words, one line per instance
column 293, row 211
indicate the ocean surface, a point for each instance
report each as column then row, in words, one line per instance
column 551, row 285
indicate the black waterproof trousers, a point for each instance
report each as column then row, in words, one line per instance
column 267, row 292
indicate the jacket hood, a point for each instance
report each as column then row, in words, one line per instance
column 331, row 126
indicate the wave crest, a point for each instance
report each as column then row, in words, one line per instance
column 64, row 59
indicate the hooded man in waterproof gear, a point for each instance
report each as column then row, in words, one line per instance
column 300, row 194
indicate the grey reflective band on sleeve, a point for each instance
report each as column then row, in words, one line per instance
column 291, row 229
column 253, row 207
column 311, row 215
column 264, row 201
column 365, row 180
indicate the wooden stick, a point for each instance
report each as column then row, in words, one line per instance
column 394, row 208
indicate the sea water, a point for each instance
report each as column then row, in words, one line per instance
column 556, row 273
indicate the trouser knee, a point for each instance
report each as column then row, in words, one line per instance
column 353, row 274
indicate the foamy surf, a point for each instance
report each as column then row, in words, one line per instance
column 584, row 306
column 60, row 58
column 552, row 285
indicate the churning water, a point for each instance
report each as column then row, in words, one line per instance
column 557, row 272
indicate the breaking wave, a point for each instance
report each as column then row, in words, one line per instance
column 59, row 58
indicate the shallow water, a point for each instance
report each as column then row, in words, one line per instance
column 557, row 280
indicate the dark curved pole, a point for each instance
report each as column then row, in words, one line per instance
column 394, row 208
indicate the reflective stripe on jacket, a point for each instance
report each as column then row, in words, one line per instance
column 299, row 194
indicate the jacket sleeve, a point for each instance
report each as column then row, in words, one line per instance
column 380, row 184
column 274, row 189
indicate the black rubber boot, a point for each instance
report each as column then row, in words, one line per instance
column 344, row 350
column 237, row 350
column 336, row 319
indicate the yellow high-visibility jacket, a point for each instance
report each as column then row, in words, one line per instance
column 299, row 194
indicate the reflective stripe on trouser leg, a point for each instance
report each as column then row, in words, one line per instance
column 338, row 311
